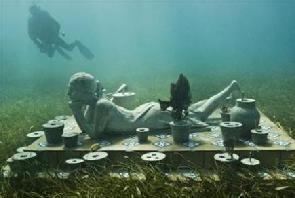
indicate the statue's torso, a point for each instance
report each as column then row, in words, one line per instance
column 148, row 115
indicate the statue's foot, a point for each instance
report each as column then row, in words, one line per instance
column 235, row 86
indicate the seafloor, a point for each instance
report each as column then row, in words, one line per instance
column 25, row 106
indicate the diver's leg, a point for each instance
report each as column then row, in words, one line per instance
column 82, row 48
column 61, row 43
column 206, row 109
column 63, row 54
column 85, row 51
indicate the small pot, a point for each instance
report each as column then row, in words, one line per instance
column 142, row 134
column 53, row 131
column 259, row 136
column 180, row 131
column 70, row 139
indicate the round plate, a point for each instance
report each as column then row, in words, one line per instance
column 24, row 155
column 21, row 149
column 35, row 134
column 153, row 156
column 95, row 156
column 225, row 157
column 74, row 161
column 250, row 162
column 61, row 117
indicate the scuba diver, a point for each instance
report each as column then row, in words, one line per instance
column 44, row 32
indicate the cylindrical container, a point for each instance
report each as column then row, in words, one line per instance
column 259, row 136
column 142, row 134
column 70, row 139
column 53, row 131
column 25, row 161
column 246, row 113
column 180, row 131
column 230, row 131
column 124, row 99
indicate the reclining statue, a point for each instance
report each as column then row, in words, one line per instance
column 98, row 116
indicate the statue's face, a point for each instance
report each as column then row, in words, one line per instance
column 86, row 97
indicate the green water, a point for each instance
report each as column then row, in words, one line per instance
column 146, row 44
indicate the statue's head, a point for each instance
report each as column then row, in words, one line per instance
column 82, row 88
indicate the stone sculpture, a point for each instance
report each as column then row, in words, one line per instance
column 97, row 115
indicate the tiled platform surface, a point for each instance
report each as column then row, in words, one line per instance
column 203, row 145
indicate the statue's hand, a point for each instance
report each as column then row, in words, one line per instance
column 76, row 105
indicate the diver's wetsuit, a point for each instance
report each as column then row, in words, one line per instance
column 44, row 32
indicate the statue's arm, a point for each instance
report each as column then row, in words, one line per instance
column 85, row 126
column 103, row 111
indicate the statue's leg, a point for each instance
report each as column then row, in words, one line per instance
column 210, row 105
column 194, row 107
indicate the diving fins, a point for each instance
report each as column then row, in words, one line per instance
column 85, row 51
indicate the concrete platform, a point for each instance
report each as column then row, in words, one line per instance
column 200, row 150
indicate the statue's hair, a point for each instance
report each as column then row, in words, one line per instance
column 82, row 81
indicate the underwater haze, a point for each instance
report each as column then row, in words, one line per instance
column 147, row 44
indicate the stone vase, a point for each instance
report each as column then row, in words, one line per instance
column 246, row 113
